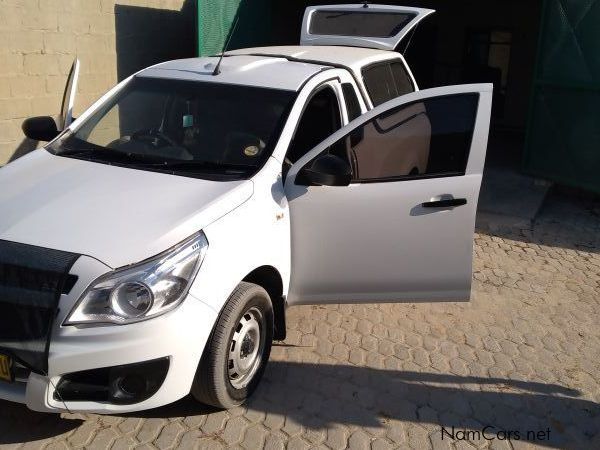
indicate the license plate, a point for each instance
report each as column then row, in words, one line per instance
column 6, row 369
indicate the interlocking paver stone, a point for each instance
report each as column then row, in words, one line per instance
column 104, row 439
column 254, row 437
column 523, row 355
column 275, row 442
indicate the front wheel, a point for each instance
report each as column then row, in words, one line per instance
column 238, row 349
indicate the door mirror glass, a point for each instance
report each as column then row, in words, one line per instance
column 41, row 128
column 326, row 170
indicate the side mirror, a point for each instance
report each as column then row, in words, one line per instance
column 41, row 128
column 326, row 170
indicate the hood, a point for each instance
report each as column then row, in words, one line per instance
column 117, row 215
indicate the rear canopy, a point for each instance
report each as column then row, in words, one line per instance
column 370, row 26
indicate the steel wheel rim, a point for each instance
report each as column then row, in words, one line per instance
column 246, row 348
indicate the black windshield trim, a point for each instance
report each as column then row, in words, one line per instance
column 204, row 175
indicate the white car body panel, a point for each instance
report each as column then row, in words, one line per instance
column 57, row 202
column 116, row 216
column 180, row 335
column 354, row 59
column 276, row 73
column 384, row 43
column 80, row 348
column 374, row 241
column 258, row 230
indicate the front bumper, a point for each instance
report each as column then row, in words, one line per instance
column 180, row 335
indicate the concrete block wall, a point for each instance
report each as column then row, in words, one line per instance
column 39, row 40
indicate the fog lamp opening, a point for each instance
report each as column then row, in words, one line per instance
column 119, row 385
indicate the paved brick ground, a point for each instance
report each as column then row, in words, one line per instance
column 523, row 355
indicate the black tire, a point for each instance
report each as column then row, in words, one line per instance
column 213, row 384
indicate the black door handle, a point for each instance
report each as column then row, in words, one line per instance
column 445, row 203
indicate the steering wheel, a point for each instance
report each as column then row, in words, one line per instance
column 153, row 135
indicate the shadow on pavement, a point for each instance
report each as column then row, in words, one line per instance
column 518, row 206
column 18, row 424
column 321, row 395
column 568, row 219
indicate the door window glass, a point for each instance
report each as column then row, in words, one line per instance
column 387, row 81
column 358, row 23
column 352, row 104
column 426, row 138
column 320, row 119
column 404, row 84
column 380, row 83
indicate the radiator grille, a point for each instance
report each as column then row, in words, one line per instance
column 31, row 282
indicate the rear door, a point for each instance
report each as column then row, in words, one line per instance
column 370, row 26
column 403, row 229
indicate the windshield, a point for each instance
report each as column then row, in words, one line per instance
column 206, row 130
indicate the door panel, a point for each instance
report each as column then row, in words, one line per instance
column 402, row 230
column 372, row 26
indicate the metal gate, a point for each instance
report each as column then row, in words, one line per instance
column 563, row 137
column 215, row 19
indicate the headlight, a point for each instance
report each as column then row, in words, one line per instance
column 143, row 290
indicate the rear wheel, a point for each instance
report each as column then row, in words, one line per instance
column 238, row 349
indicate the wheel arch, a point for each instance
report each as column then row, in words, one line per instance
column 269, row 278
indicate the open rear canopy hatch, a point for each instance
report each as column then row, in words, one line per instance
column 371, row 26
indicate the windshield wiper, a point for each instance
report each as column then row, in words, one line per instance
column 183, row 165
column 113, row 155
column 69, row 151
column 151, row 161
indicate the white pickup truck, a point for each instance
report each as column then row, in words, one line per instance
column 151, row 247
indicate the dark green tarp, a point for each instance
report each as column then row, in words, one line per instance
column 215, row 19
column 563, row 140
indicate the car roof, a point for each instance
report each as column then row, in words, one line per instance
column 354, row 58
column 259, row 71
column 277, row 67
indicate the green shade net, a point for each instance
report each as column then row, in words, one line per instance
column 215, row 20
column 564, row 129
